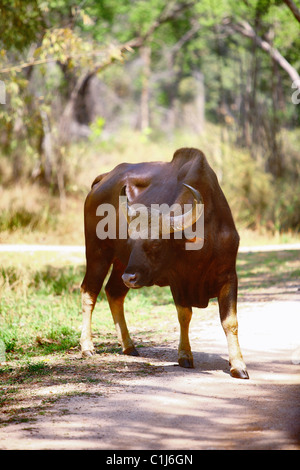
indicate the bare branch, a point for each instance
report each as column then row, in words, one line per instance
column 246, row 29
column 166, row 16
column 46, row 60
column 186, row 37
column 294, row 9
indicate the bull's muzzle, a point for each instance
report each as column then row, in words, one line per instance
column 130, row 280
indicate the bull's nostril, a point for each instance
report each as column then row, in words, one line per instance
column 129, row 279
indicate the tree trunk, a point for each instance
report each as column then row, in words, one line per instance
column 18, row 154
column 275, row 161
column 145, row 53
column 47, row 148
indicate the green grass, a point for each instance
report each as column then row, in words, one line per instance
column 269, row 268
column 40, row 310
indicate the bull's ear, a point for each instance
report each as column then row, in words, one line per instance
column 124, row 204
column 126, row 209
column 123, row 191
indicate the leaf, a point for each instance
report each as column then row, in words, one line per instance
column 115, row 53
column 86, row 19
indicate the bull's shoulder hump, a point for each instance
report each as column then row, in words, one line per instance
column 188, row 154
column 191, row 165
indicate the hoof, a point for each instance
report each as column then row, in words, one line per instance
column 186, row 363
column 87, row 353
column 239, row 373
column 131, row 351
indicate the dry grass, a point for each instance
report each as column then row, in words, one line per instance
column 30, row 213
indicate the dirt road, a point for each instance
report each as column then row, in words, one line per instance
column 184, row 409
column 150, row 403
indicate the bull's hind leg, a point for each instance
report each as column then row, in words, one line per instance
column 116, row 292
column 228, row 305
column 97, row 268
column 185, row 356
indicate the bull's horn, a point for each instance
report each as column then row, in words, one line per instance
column 181, row 222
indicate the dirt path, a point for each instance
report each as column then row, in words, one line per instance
column 149, row 403
column 183, row 409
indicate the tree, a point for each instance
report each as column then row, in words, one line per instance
column 70, row 37
column 52, row 50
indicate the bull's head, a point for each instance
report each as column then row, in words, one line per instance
column 170, row 224
column 150, row 257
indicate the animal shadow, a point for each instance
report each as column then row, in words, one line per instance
column 203, row 362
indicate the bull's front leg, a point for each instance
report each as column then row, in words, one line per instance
column 185, row 356
column 97, row 268
column 228, row 313
column 115, row 292
column 88, row 301
column 117, row 311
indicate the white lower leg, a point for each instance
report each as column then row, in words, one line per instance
column 88, row 303
column 185, row 356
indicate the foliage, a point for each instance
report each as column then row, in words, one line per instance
column 50, row 51
column 20, row 23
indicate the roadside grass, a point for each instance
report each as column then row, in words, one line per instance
column 268, row 268
column 40, row 309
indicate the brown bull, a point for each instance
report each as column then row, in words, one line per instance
column 194, row 276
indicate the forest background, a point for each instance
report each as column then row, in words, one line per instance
column 87, row 85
